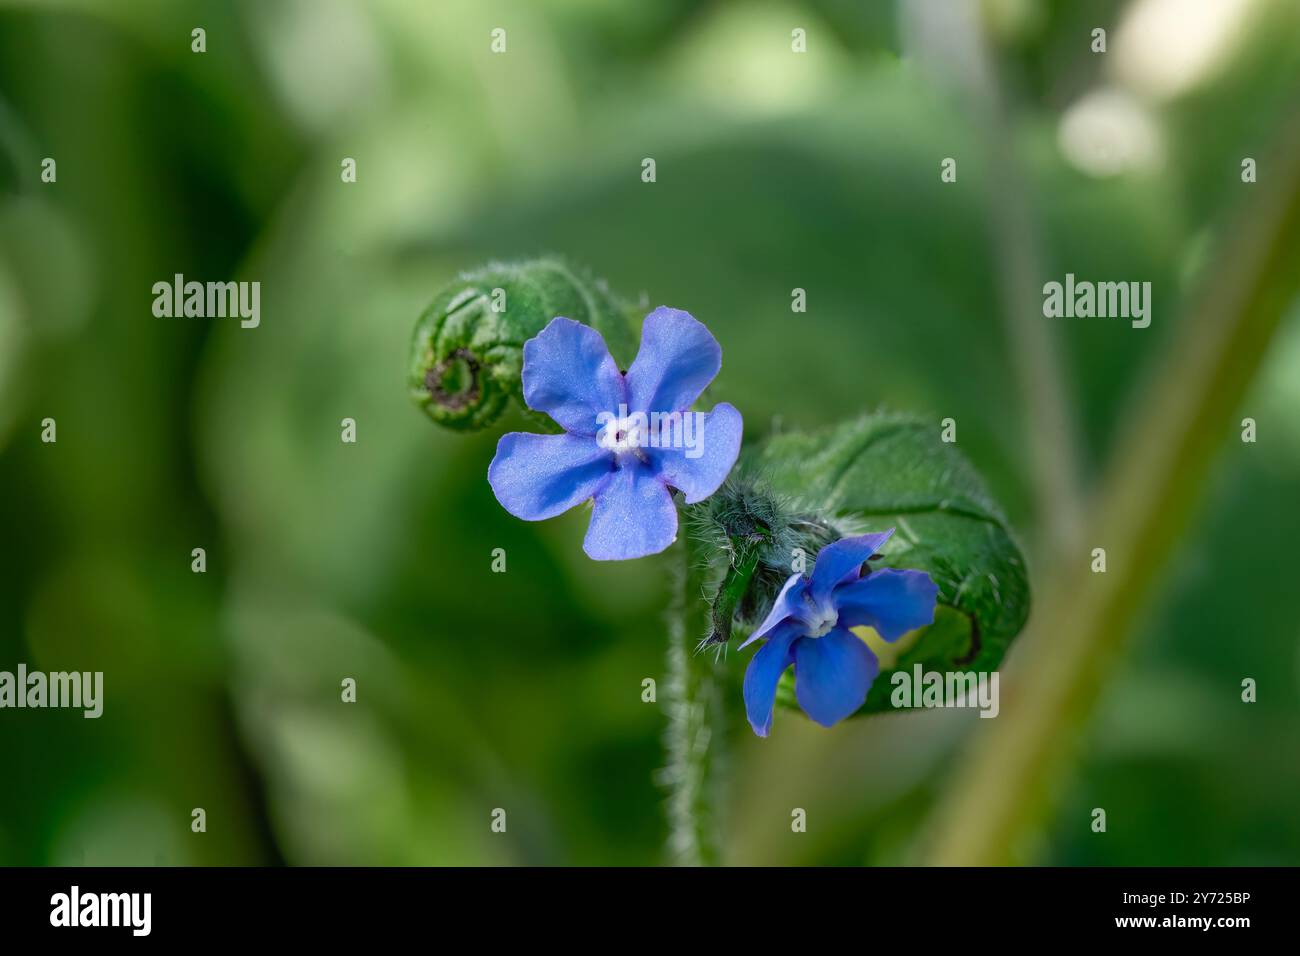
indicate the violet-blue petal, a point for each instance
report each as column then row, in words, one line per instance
column 679, row 357
column 842, row 559
column 764, row 673
column 789, row 603
column 633, row 515
column 540, row 476
column 570, row 375
column 890, row 600
column 716, row 436
column 832, row 675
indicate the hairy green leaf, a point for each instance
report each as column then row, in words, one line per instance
column 883, row 471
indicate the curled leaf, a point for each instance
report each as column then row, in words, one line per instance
column 467, row 351
column 881, row 471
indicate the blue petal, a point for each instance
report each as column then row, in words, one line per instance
column 679, row 357
column 717, row 445
column 832, row 675
column 634, row 515
column 570, row 375
column 764, row 673
column 892, row 601
column 540, row 476
column 789, row 603
column 843, row 559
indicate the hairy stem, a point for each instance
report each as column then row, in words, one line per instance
column 694, row 737
column 1000, row 793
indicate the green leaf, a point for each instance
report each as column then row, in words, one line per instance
column 882, row 471
column 467, row 351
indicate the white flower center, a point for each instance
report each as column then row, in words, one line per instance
column 822, row 621
column 623, row 435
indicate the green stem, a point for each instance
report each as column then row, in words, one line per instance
column 1016, row 236
column 694, row 738
column 1002, row 790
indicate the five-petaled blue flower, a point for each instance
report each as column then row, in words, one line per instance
column 629, row 437
column 809, row 628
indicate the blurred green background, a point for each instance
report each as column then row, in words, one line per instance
column 522, row 690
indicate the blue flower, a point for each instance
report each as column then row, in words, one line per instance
column 809, row 628
column 629, row 437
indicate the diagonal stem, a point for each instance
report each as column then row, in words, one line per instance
column 1000, row 792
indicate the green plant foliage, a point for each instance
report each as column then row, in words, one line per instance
column 881, row 471
column 467, row 351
